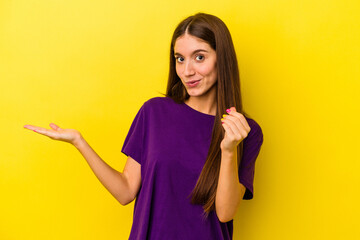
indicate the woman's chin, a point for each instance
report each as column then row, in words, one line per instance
column 198, row 93
column 194, row 94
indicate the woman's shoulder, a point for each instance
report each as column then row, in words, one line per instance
column 158, row 102
column 252, row 122
column 157, row 105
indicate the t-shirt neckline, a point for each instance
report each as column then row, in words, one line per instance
column 194, row 110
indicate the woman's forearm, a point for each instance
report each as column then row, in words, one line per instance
column 114, row 181
column 229, row 190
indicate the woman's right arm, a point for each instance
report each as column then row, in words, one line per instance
column 124, row 186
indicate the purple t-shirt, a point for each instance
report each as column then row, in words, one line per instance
column 171, row 142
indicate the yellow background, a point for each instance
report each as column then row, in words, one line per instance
column 90, row 65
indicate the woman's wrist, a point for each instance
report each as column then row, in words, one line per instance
column 228, row 153
column 78, row 141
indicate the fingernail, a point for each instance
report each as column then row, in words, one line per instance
column 224, row 115
column 222, row 119
column 228, row 110
column 34, row 130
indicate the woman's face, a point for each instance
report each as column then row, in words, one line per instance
column 195, row 65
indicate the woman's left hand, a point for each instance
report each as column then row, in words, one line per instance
column 236, row 129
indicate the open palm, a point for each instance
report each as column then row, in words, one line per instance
column 57, row 133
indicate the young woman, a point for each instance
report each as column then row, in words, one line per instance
column 191, row 154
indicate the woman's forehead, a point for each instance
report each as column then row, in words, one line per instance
column 188, row 44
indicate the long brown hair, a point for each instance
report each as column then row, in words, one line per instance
column 214, row 31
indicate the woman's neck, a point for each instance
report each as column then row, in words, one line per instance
column 204, row 104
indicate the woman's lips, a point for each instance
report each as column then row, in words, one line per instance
column 192, row 83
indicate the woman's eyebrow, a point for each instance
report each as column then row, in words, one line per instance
column 196, row 51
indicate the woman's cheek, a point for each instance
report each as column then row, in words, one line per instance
column 178, row 72
column 205, row 70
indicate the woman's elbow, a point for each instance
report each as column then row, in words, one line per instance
column 125, row 200
column 226, row 214
column 225, row 218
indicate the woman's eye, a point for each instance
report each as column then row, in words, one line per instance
column 179, row 59
column 199, row 57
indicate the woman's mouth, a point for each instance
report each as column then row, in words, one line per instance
column 192, row 83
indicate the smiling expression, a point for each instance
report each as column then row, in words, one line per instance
column 195, row 65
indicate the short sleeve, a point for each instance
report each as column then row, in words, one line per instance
column 251, row 149
column 134, row 142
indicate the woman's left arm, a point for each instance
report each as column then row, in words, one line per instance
column 230, row 191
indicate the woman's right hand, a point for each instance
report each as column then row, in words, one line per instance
column 66, row 135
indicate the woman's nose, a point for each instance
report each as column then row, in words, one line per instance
column 189, row 69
